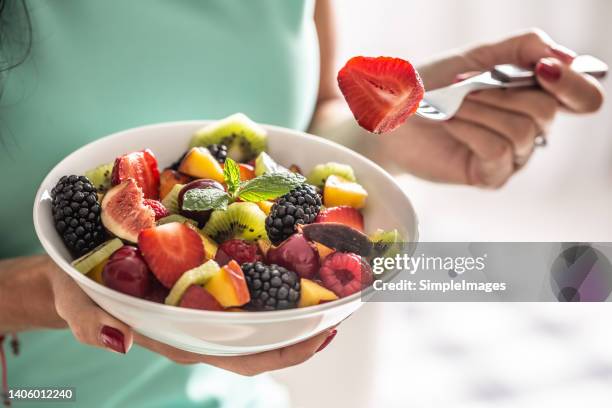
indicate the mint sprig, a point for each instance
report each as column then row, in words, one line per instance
column 231, row 174
column 203, row 199
column 268, row 186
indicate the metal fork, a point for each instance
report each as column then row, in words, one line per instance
column 442, row 104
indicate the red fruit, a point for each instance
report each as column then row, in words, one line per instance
column 343, row 215
column 158, row 208
column 381, row 92
column 247, row 172
column 345, row 273
column 142, row 167
column 170, row 250
column 168, row 179
column 296, row 254
column 124, row 212
column 238, row 250
column 196, row 297
column 158, row 292
column 127, row 272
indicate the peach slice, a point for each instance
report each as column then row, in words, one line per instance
column 339, row 191
column 229, row 286
column 200, row 163
column 314, row 294
column 168, row 179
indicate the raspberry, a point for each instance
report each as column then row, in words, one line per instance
column 345, row 273
column 158, row 208
column 238, row 250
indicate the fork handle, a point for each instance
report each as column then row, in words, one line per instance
column 513, row 76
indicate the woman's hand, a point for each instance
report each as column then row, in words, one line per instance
column 494, row 132
column 92, row 325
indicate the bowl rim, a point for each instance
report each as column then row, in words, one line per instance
column 210, row 315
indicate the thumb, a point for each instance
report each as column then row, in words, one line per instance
column 524, row 49
column 578, row 92
column 87, row 321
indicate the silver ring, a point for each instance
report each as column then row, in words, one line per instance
column 540, row 141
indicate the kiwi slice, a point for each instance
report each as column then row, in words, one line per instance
column 196, row 276
column 244, row 138
column 100, row 177
column 241, row 220
column 264, row 164
column 98, row 255
column 170, row 201
column 386, row 243
column 319, row 174
column 176, row 218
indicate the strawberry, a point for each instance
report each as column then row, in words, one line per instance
column 196, row 297
column 170, row 250
column 158, row 208
column 342, row 214
column 142, row 167
column 382, row 92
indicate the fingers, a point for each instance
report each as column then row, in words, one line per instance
column 88, row 323
column 520, row 130
column 491, row 162
column 579, row 93
column 248, row 365
column 540, row 106
column 524, row 49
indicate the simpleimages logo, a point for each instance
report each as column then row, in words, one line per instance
column 414, row 264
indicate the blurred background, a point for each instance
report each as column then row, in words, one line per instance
column 482, row 355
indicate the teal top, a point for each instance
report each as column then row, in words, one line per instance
column 97, row 67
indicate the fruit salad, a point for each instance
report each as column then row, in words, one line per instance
column 224, row 228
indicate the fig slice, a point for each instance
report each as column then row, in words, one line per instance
column 124, row 212
column 339, row 237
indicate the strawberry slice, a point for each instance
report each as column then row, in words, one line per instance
column 382, row 92
column 142, row 167
column 342, row 214
column 170, row 250
column 196, row 297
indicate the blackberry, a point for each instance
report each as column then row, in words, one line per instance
column 299, row 206
column 219, row 152
column 272, row 287
column 76, row 213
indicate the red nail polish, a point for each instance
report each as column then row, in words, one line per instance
column 548, row 71
column 328, row 340
column 113, row 339
column 565, row 55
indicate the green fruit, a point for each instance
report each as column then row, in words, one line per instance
column 170, row 201
column 176, row 218
column 196, row 276
column 98, row 255
column 100, row 177
column 319, row 174
column 241, row 220
column 386, row 243
column 244, row 138
column 264, row 164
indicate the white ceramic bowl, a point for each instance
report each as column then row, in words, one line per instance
column 223, row 333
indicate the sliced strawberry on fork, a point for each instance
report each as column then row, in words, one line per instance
column 382, row 92
column 342, row 214
column 140, row 166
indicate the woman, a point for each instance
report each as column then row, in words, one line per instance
column 99, row 67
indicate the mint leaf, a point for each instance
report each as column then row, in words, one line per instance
column 269, row 186
column 202, row 199
column 231, row 173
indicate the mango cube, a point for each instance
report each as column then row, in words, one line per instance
column 200, row 163
column 314, row 294
column 339, row 191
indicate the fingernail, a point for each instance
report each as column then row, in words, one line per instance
column 548, row 70
column 564, row 54
column 113, row 339
column 328, row 340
